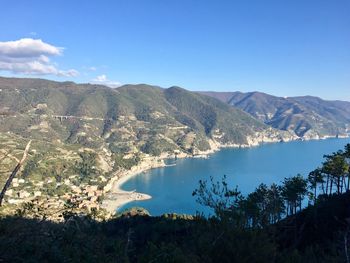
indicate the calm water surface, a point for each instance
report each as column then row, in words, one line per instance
column 171, row 187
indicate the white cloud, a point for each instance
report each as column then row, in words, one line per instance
column 28, row 47
column 68, row 73
column 103, row 80
column 32, row 57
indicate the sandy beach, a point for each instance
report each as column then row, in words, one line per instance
column 115, row 197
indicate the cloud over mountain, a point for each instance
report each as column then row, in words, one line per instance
column 32, row 57
column 103, row 80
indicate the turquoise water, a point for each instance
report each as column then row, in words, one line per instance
column 171, row 187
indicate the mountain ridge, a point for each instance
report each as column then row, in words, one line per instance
column 307, row 116
column 95, row 114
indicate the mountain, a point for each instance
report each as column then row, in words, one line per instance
column 128, row 119
column 307, row 116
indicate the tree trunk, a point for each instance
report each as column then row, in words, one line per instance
column 344, row 184
column 315, row 196
column 14, row 172
column 331, row 187
column 323, row 187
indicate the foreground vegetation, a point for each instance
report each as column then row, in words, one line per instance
column 317, row 234
column 267, row 205
column 268, row 225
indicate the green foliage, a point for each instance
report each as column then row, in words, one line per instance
column 201, row 143
column 218, row 196
column 118, row 148
column 156, row 146
column 266, row 205
column 31, row 165
column 121, row 162
column 135, row 239
column 50, row 189
column 62, row 189
column 294, row 191
column 315, row 178
column 316, row 234
column 87, row 166
column 259, row 209
column 336, row 168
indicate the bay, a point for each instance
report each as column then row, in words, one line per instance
column 171, row 187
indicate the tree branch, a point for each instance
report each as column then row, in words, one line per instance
column 14, row 172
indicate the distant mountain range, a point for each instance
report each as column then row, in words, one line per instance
column 129, row 119
column 307, row 116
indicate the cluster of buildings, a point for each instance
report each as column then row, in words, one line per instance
column 84, row 198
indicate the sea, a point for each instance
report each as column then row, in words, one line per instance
column 171, row 187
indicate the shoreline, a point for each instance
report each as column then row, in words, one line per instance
column 115, row 197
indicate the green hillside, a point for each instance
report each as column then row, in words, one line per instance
column 92, row 115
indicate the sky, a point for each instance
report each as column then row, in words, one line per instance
column 285, row 48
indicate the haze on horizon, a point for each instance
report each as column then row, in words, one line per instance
column 284, row 48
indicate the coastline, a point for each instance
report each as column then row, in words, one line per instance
column 115, row 197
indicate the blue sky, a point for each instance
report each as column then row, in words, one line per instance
column 286, row 48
